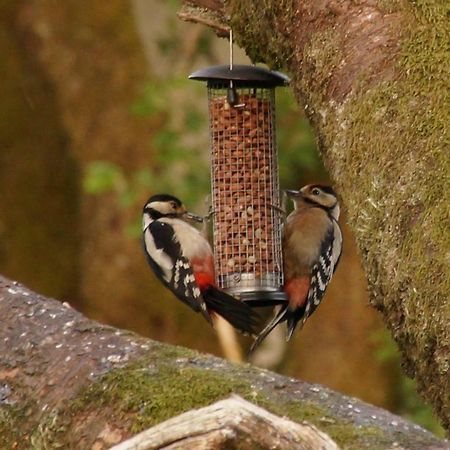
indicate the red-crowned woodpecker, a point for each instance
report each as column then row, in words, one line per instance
column 312, row 246
column 182, row 259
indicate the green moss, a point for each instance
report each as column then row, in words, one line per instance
column 154, row 395
column 321, row 55
column 49, row 434
column 346, row 434
column 9, row 416
column 249, row 21
column 390, row 6
column 148, row 396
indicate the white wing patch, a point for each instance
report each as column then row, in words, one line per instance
column 337, row 245
column 158, row 255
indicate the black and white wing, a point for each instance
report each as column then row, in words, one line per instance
column 165, row 257
column 324, row 268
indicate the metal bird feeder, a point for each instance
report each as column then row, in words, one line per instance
column 244, row 176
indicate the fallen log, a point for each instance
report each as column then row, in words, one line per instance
column 69, row 382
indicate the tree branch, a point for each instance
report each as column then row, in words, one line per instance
column 209, row 13
column 70, row 382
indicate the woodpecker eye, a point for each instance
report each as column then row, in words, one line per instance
column 315, row 191
column 173, row 205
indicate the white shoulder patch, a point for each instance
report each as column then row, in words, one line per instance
column 158, row 255
column 192, row 242
column 146, row 221
column 337, row 244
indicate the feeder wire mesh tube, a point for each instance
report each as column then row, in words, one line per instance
column 247, row 228
column 245, row 189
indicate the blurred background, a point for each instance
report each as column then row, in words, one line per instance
column 96, row 114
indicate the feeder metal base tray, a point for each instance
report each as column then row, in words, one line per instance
column 264, row 298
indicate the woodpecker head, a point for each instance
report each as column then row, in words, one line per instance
column 316, row 195
column 165, row 205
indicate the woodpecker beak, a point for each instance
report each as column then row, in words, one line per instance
column 292, row 194
column 191, row 216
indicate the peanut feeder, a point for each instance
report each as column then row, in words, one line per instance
column 244, row 176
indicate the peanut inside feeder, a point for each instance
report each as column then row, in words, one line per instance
column 244, row 176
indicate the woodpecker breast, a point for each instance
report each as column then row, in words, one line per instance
column 303, row 234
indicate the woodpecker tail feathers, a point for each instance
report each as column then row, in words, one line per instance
column 282, row 315
column 206, row 315
column 237, row 313
column 293, row 319
column 291, row 324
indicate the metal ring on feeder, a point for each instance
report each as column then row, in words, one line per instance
column 244, row 176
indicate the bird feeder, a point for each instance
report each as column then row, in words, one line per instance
column 244, row 176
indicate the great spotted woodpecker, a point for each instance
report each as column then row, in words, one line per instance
column 312, row 246
column 182, row 259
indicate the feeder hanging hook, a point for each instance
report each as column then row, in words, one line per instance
column 232, row 95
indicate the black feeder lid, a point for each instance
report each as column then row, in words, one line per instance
column 242, row 76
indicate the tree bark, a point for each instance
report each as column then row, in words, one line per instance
column 69, row 382
column 373, row 79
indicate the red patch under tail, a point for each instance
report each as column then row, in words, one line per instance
column 204, row 280
column 297, row 291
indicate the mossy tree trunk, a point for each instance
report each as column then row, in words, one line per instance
column 372, row 76
column 69, row 382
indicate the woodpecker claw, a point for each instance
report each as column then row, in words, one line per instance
column 208, row 216
column 278, row 209
column 192, row 216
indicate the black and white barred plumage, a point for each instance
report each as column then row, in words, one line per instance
column 182, row 259
column 312, row 246
column 164, row 254
column 321, row 273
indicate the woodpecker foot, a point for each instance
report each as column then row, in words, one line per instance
column 279, row 210
column 208, row 216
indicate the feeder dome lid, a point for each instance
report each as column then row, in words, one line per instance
column 242, row 75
